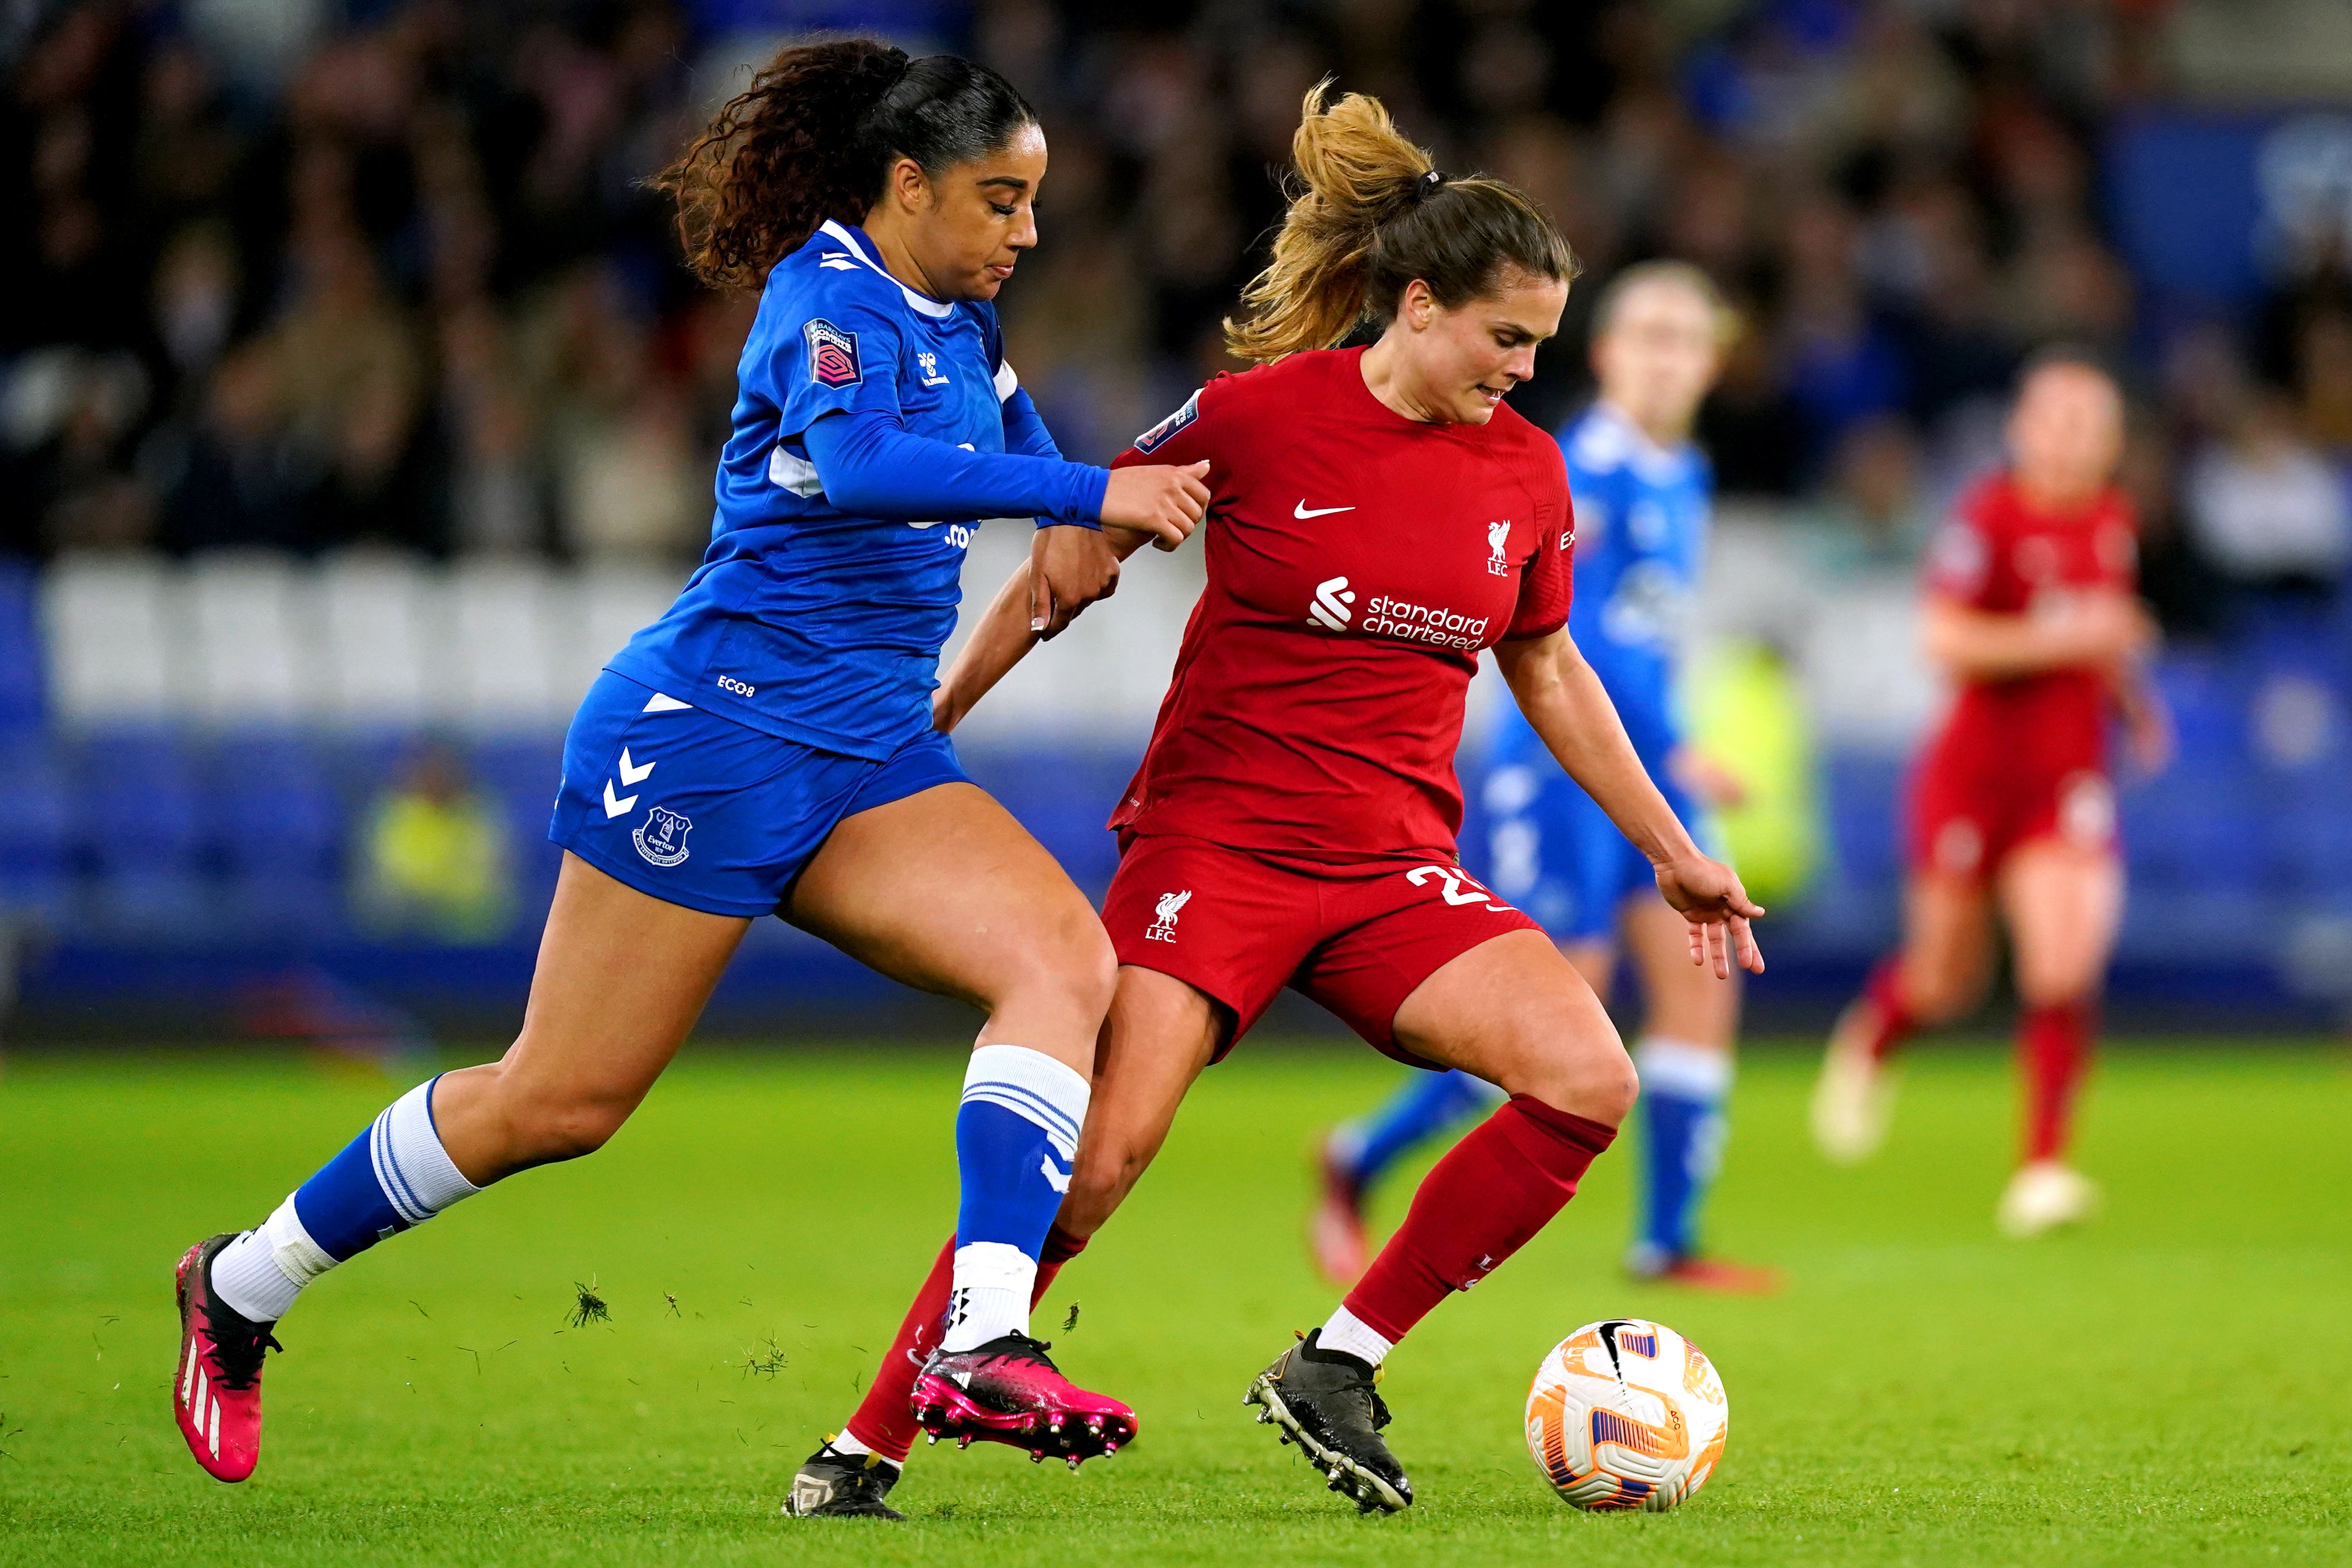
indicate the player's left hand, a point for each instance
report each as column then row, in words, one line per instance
column 1718, row 909
column 1069, row 568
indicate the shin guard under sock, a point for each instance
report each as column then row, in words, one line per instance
column 1891, row 1021
column 391, row 1177
column 1480, row 1203
column 2053, row 1046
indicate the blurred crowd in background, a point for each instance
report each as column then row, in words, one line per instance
column 355, row 405
column 300, row 275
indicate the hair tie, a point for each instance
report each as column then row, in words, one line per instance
column 1422, row 189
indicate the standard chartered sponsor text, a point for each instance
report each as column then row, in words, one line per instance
column 1433, row 624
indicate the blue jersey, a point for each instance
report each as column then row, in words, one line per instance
column 805, row 621
column 1642, row 519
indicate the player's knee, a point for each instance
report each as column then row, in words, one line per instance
column 1595, row 1082
column 2048, row 987
column 1070, row 967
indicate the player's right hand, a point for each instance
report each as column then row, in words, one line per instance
column 1165, row 503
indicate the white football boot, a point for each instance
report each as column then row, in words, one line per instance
column 2044, row 1195
column 1854, row 1100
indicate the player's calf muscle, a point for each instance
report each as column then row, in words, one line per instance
column 494, row 1124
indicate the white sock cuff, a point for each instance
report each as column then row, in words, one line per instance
column 841, row 1442
column 414, row 1171
column 993, row 1266
column 1346, row 1331
column 1033, row 1085
column 298, row 1258
column 990, row 1296
column 1685, row 1070
column 248, row 1277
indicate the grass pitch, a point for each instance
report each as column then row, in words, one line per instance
column 2167, row 1387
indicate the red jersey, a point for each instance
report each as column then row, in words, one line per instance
column 1357, row 561
column 2001, row 555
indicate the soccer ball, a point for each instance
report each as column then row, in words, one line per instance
column 1626, row 1414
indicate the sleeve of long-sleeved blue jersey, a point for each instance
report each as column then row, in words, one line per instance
column 871, row 466
column 1024, row 427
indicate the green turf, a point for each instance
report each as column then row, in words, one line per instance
column 2169, row 1387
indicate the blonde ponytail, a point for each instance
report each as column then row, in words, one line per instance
column 1369, row 214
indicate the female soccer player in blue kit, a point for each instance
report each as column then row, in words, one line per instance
column 1642, row 495
column 766, row 747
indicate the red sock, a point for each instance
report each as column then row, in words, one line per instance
column 882, row 1421
column 1479, row 1204
column 1891, row 1021
column 2053, row 1046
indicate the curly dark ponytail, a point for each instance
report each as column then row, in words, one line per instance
column 813, row 138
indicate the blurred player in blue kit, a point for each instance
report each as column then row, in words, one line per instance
column 1642, row 495
column 767, row 746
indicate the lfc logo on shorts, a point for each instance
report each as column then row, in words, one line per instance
column 1163, row 925
column 1498, row 546
column 661, row 836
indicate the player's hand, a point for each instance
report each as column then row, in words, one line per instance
column 1166, row 503
column 1069, row 568
column 1718, row 909
column 2109, row 628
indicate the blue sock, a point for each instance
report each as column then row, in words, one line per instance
column 1421, row 1108
column 1684, row 1087
column 391, row 1176
column 1016, row 1133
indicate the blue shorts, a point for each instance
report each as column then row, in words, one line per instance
column 697, row 810
column 1548, row 849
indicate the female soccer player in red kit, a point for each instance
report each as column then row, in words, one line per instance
column 1378, row 517
column 2031, row 609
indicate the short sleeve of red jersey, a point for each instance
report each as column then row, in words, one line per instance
column 1184, row 435
column 1960, row 557
column 1549, row 581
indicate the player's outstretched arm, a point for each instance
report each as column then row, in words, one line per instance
column 1567, row 705
column 2097, row 628
column 1024, row 613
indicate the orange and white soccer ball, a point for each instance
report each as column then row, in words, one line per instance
column 1627, row 1414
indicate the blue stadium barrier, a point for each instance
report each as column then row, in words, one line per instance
column 189, row 869
column 36, row 834
column 23, row 698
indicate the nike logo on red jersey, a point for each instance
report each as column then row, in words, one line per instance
column 1303, row 511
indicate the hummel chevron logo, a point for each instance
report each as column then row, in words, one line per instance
column 613, row 809
column 631, row 775
column 1302, row 511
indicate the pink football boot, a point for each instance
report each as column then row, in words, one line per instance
column 1007, row 1391
column 216, row 1387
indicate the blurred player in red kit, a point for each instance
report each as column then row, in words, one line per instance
column 1378, row 517
column 2031, row 609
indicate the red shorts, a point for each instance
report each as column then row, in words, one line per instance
column 1356, row 936
column 1965, row 820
